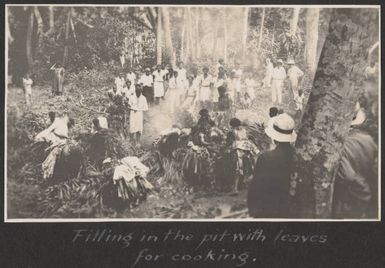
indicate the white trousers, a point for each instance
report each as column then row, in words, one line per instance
column 276, row 90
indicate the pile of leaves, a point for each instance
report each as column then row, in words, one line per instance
column 256, row 133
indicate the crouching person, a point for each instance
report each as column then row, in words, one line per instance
column 65, row 157
column 269, row 191
column 243, row 153
column 129, row 179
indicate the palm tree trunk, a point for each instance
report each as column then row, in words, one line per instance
column 261, row 29
column 294, row 21
column 67, row 32
column 168, row 39
column 311, row 38
column 29, row 39
column 159, row 37
column 330, row 109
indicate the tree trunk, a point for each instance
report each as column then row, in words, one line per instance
column 67, row 32
column 168, row 38
column 191, row 38
column 8, row 29
column 182, row 37
column 29, row 39
column 51, row 19
column 159, row 37
column 245, row 30
column 294, row 21
column 311, row 38
column 224, row 36
column 261, row 29
column 215, row 43
column 197, row 37
column 330, row 108
column 39, row 20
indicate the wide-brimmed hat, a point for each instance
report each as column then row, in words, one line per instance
column 280, row 61
column 359, row 117
column 282, row 129
column 147, row 69
column 290, row 61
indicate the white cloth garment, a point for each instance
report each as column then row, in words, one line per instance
column 294, row 73
column 205, row 87
column 173, row 93
column 278, row 76
column 56, row 133
column 131, row 77
column 119, row 84
column 146, row 80
column 103, row 122
column 138, row 106
column 129, row 168
column 27, row 83
column 237, row 79
column 159, row 82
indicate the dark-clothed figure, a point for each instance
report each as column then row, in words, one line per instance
column 355, row 189
column 268, row 195
column 58, row 79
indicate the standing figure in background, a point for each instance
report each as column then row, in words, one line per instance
column 58, row 79
column 294, row 73
column 237, row 81
column 147, row 82
column 131, row 76
column 27, row 85
column 250, row 86
column 205, row 88
column 182, row 81
column 268, row 73
column 138, row 104
column 299, row 101
column 119, row 82
column 192, row 92
column 173, row 93
column 278, row 76
column 220, row 65
column 220, row 81
column 159, row 79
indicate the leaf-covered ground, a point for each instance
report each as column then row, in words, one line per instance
column 83, row 102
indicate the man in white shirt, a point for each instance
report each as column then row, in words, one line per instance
column 159, row 78
column 278, row 76
column 294, row 73
column 138, row 104
column 147, row 81
column 27, row 84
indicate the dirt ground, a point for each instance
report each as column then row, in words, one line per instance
column 165, row 202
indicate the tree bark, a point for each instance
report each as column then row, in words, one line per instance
column 29, row 39
column 39, row 20
column 261, row 29
column 168, row 38
column 159, row 37
column 190, row 36
column 67, row 32
column 245, row 30
column 51, row 19
column 330, row 109
column 311, row 38
column 294, row 21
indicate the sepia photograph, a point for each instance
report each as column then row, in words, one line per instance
column 192, row 113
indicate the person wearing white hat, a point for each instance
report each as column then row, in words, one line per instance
column 294, row 73
column 268, row 195
column 356, row 182
column 278, row 76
